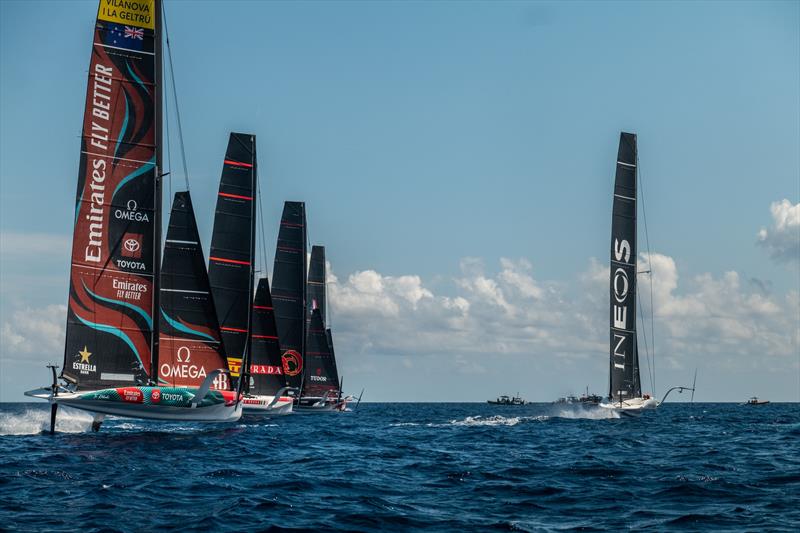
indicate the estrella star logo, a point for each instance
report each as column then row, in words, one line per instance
column 85, row 353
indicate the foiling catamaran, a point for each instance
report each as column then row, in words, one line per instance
column 118, row 359
column 625, row 387
column 308, row 358
column 248, row 327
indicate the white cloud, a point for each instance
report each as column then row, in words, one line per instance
column 34, row 331
column 498, row 326
column 34, row 244
column 516, row 274
column 714, row 319
column 782, row 239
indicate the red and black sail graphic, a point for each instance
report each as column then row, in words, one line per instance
column 624, row 379
column 266, row 366
column 230, row 264
column 190, row 346
column 289, row 289
column 110, row 318
column 320, row 368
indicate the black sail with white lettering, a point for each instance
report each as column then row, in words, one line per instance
column 190, row 346
column 320, row 368
column 624, row 379
column 266, row 367
column 316, row 282
column 230, row 263
column 289, row 289
column 116, row 223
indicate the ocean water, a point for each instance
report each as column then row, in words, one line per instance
column 394, row 467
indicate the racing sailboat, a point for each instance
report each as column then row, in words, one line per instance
column 248, row 328
column 230, row 263
column 625, row 385
column 190, row 339
column 267, row 388
column 321, row 386
column 111, row 355
column 289, row 291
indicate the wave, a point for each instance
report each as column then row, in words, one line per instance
column 36, row 421
column 497, row 420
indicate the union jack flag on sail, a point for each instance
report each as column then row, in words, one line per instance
column 134, row 33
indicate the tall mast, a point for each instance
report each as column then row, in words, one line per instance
column 158, row 79
column 304, row 297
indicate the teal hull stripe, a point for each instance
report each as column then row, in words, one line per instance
column 135, row 174
column 78, row 208
column 132, row 307
column 180, row 327
column 124, row 125
column 135, row 77
column 116, row 332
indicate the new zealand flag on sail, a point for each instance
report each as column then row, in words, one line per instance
column 126, row 37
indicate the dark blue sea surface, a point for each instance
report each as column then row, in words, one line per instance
column 440, row 467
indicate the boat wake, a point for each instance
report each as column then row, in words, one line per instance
column 35, row 421
column 477, row 421
column 578, row 411
column 497, row 420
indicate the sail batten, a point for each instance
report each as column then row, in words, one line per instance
column 624, row 381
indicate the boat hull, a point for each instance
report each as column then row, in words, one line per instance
column 630, row 407
column 320, row 405
column 150, row 403
column 262, row 405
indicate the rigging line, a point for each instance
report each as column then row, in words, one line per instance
column 646, row 349
column 169, row 301
column 650, row 261
column 168, row 148
column 175, row 97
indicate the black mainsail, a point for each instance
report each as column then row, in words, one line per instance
column 266, row 367
column 320, row 368
column 624, row 381
column 230, row 263
column 289, row 290
column 111, row 338
column 316, row 282
column 190, row 346
column 317, row 296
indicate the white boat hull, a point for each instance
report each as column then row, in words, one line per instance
column 631, row 406
column 320, row 405
column 262, row 405
column 91, row 401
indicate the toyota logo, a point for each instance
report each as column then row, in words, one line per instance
column 132, row 245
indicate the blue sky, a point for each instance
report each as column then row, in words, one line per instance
column 430, row 142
